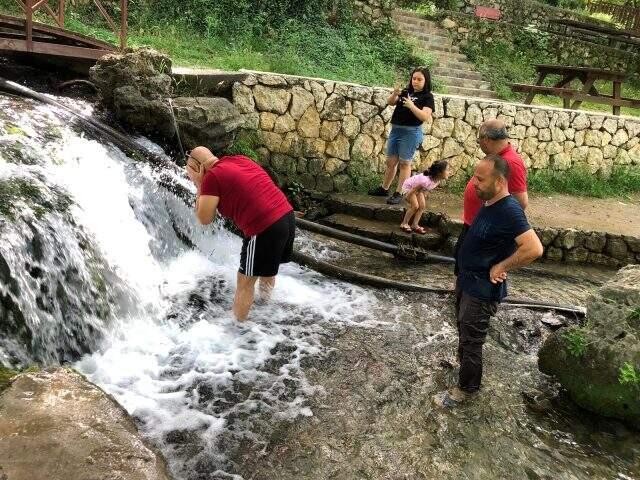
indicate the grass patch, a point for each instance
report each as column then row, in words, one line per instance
column 316, row 44
column 6, row 375
column 623, row 182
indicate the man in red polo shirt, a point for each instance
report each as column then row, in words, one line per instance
column 493, row 139
column 242, row 191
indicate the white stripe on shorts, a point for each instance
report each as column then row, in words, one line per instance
column 251, row 250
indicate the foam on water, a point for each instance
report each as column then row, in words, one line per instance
column 176, row 359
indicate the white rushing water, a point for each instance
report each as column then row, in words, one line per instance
column 173, row 356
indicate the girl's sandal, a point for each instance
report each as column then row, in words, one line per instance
column 419, row 230
column 406, row 228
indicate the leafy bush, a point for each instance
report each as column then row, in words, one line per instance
column 576, row 342
column 628, row 375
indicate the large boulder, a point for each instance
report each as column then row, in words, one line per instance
column 56, row 425
column 210, row 121
column 135, row 86
column 599, row 363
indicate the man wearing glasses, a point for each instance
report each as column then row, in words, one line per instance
column 242, row 191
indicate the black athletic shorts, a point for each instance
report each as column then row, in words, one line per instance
column 262, row 254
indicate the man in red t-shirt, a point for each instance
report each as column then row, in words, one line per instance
column 493, row 139
column 242, row 191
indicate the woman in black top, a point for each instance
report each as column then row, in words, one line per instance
column 414, row 106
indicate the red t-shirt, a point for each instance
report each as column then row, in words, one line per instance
column 517, row 184
column 247, row 194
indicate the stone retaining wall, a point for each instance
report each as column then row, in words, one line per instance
column 374, row 10
column 324, row 134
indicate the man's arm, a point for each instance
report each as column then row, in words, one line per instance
column 206, row 208
column 522, row 198
column 529, row 248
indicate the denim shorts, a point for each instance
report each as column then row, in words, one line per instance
column 404, row 141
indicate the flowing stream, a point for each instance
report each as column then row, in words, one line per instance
column 104, row 268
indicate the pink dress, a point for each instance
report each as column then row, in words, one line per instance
column 423, row 181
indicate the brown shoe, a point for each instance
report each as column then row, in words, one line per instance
column 452, row 398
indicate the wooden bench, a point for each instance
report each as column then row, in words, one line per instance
column 487, row 12
column 568, row 94
column 588, row 93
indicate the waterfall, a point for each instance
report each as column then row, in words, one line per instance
column 101, row 265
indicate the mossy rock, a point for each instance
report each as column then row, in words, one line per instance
column 6, row 374
column 599, row 364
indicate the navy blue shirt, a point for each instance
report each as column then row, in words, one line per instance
column 489, row 240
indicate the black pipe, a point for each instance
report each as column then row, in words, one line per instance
column 368, row 242
column 380, row 282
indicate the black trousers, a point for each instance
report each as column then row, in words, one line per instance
column 472, row 316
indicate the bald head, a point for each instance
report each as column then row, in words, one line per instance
column 203, row 156
column 493, row 136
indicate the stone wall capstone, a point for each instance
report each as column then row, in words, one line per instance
column 325, row 134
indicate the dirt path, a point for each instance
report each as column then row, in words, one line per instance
column 610, row 215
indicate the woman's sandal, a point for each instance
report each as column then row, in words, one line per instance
column 406, row 228
column 419, row 230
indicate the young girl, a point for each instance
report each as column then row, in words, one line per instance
column 414, row 190
column 414, row 106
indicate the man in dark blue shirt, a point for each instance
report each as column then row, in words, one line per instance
column 499, row 240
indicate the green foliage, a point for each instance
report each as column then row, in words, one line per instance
column 5, row 376
column 576, row 342
column 315, row 38
column 245, row 144
column 634, row 315
column 628, row 375
column 623, row 182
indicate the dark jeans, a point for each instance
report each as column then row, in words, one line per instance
column 456, row 249
column 473, row 323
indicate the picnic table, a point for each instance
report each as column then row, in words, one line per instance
column 588, row 92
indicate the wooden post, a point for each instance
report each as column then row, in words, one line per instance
column 61, row 13
column 29, row 24
column 616, row 95
column 123, row 24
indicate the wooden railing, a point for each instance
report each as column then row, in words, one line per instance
column 628, row 17
column 29, row 7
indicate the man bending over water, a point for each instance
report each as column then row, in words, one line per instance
column 242, row 191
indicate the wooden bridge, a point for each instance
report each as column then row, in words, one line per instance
column 23, row 34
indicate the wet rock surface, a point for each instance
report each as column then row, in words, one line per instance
column 599, row 364
column 376, row 418
column 58, row 426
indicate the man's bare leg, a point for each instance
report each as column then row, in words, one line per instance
column 265, row 287
column 244, row 296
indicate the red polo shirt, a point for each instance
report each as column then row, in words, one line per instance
column 247, row 194
column 517, row 184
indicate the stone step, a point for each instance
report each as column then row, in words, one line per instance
column 471, row 92
column 463, row 82
column 428, row 38
column 452, row 50
column 412, row 19
column 455, row 72
column 425, row 29
column 446, row 62
column 384, row 231
column 440, row 53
